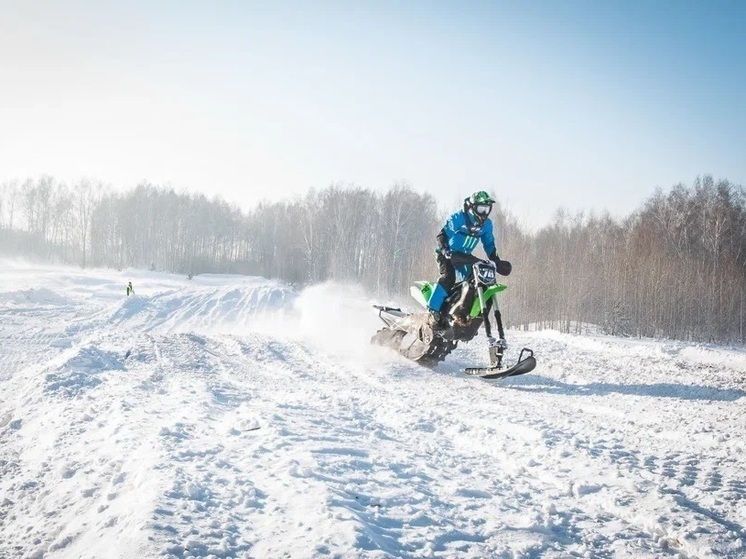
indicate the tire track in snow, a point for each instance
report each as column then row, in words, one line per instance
column 616, row 450
column 64, row 494
column 424, row 446
column 571, row 489
column 200, row 508
column 308, row 446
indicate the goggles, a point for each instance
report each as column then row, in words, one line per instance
column 482, row 209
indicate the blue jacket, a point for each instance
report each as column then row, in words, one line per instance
column 463, row 235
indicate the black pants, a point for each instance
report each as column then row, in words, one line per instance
column 447, row 273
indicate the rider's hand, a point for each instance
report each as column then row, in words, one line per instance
column 503, row 267
column 446, row 252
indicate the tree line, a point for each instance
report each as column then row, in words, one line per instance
column 674, row 268
column 341, row 232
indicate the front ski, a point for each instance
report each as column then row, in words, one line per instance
column 523, row 366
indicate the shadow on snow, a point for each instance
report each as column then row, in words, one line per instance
column 537, row 383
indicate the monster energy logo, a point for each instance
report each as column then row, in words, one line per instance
column 471, row 243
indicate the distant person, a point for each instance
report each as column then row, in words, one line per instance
column 130, row 289
column 461, row 233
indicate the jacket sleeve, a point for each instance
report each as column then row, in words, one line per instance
column 448, row 231
column 488, row 241
column 442, row 240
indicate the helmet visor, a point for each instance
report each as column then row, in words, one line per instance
column 483, row 209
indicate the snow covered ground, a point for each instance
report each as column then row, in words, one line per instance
column 232, row 417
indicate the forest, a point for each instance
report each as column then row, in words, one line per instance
column 674, row 268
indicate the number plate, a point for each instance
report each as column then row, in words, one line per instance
column 486, row 274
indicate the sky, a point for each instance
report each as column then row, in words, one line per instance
column 582, row 105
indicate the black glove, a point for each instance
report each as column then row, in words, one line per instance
column 503, row 267
column 445, row 252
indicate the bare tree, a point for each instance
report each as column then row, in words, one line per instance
column 676, row 267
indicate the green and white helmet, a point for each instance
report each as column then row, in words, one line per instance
column 479, row 206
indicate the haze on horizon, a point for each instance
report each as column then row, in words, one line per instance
column 578, row 104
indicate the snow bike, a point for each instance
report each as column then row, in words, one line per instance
column 466, row 308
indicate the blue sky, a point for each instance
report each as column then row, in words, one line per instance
column 582, row 105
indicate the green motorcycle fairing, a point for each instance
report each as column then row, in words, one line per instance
column 427, row 288
column 492, row 290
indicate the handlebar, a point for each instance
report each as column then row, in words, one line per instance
column 463, row 258
column 503, row 267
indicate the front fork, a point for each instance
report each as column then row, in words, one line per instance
column 497, row 346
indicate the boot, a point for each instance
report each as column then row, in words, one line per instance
column 437, row 320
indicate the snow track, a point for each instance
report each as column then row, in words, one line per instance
column 228, row 417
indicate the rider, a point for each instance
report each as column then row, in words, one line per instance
column 462, row 232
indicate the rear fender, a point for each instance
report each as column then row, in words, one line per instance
column 421, row 291
column 391, row 316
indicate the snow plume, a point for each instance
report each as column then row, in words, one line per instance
column 334, row 318
column 337, row 317
column 226, row 416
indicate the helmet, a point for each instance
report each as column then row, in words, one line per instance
column 479, row 206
